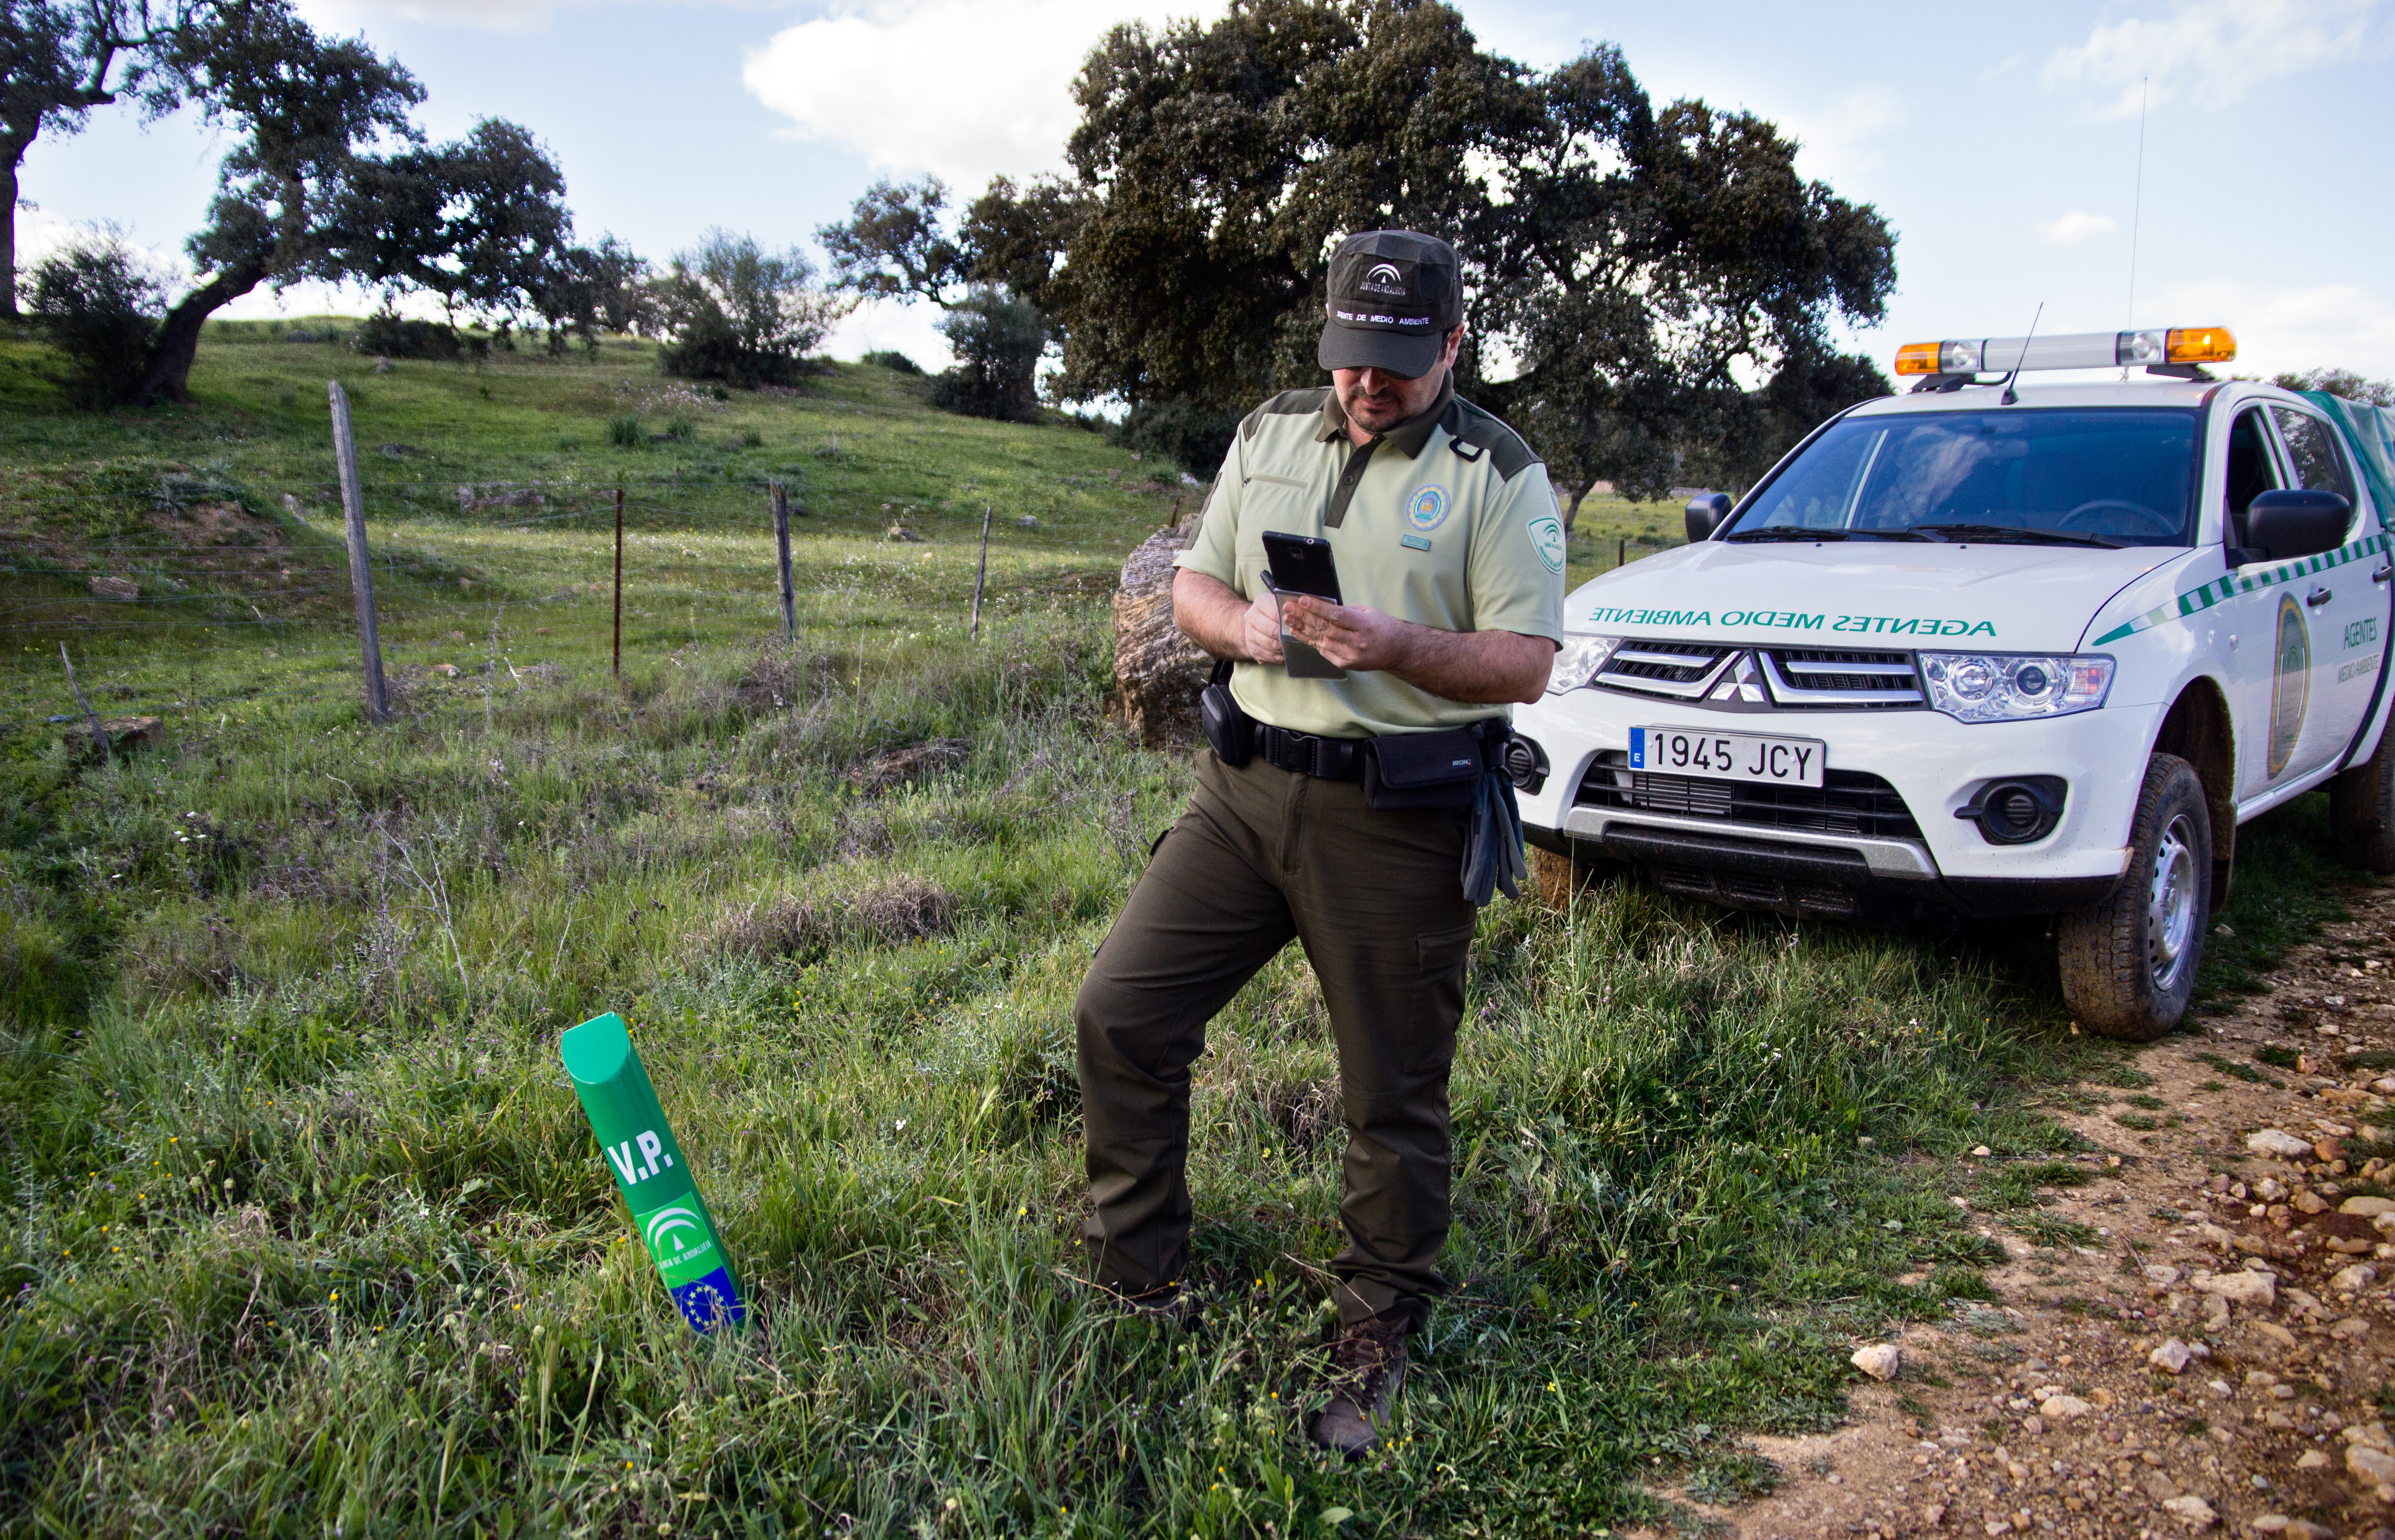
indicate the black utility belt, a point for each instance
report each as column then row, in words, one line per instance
column 1400, row 771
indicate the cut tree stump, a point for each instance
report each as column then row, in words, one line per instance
column 125, row 733
column 1159, row 671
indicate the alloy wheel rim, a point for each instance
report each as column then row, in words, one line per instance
column 2170, row 906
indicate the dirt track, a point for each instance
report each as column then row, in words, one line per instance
column 2051, row 1411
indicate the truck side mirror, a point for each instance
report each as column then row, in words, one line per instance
column 1706, row 512
column 2289, row 524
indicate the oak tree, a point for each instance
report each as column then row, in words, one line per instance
column 1651, row 291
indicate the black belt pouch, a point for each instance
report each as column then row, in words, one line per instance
column 1230, row 731
column 1422, row 771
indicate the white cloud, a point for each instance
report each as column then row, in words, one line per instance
column 2075, row 227
column 1834, row 141
column 2212, row 51
column 2334, row 326
column 963, row 88
column 911, row 329
column 495, row 15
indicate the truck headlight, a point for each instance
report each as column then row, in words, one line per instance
column 1577, row 660
column 1999, row 687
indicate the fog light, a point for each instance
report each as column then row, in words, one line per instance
column 1525, row 762
column 2015, row 811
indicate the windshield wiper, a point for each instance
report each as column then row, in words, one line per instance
column 1786, row 531
column 1797, row 532
column 2014, row 536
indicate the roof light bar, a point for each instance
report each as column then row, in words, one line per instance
column 2078, row 350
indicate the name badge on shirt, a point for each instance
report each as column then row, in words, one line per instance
column 1413, row 541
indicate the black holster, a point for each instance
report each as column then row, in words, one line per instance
column 1230, row 731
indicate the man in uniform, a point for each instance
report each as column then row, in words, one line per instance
column 1449, row 559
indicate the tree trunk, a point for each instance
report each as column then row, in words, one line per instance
column 1572, row 509
column 1158, row 670
column 169, row 370
column 12, row 154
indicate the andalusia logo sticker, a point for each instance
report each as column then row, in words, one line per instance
column 663, row 1230
column 2291, row 683
column 1547, row 539
column 1427, row 511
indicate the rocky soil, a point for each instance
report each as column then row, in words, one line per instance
column 2203, row 1350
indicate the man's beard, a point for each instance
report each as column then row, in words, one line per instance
column 1376, row 413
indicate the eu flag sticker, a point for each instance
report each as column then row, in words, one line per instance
column 711, row 1301
column 1637, row 748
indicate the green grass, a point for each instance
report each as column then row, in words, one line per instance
column 307, row 1235
column 2233, row 1070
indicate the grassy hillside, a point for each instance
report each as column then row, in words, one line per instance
column 307, row 1234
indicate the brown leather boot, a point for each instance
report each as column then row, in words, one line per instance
column 1368, row 1366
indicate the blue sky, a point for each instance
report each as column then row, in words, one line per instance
column 2001, row 141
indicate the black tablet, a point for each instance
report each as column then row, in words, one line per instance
column 1301, row 564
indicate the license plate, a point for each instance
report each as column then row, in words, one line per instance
column 1727, row 756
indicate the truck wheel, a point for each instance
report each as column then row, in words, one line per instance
column 2362, row 808
column 2128, row 963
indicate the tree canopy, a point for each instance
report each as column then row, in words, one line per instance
column 1630, row 270
column 1652, row 291
column 330, row 179
column 739, row 313
column 59, row 59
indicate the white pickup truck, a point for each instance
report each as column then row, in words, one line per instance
column 1998, row 648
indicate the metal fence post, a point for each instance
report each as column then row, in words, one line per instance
column 619, row 582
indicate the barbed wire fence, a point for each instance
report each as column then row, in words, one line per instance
column 284, row 580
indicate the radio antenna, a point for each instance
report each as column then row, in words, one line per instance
column 2008, row 398
column 2136, row 209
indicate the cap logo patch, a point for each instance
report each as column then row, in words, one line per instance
column 1384, row 278
column 1427, row 509
column 1547, row 539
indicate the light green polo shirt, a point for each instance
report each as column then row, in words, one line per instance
column 1447, row 521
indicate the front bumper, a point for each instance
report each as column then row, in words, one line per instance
column 1909, row 771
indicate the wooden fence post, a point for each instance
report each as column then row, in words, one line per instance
column 981, row 575
column 782, row 560
column 1620, row 552
column 353, row 511
column 619, row 582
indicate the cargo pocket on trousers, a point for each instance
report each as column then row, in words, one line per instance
column 1438, row 999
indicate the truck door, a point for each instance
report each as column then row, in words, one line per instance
column 2254, row 619
column 2346, row 611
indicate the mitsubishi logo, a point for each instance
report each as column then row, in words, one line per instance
column 1741, row 680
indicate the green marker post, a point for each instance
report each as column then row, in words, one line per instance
column 649, row 1167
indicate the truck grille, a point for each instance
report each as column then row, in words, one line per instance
column 1826, row 676
column 1682, row 670
column 1791, row 679
column 1853, row 802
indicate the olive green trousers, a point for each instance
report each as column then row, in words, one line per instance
column 1262, row 856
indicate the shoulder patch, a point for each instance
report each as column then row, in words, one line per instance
column 1472, row 432
column 1288, row 403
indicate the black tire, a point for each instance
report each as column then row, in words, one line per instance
column 2362, row 808
column 2128, row 963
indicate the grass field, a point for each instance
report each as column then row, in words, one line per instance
column 307, row 1235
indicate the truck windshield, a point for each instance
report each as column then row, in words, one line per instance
column 2111, row 476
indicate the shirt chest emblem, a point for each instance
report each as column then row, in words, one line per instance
column 1426, row 509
